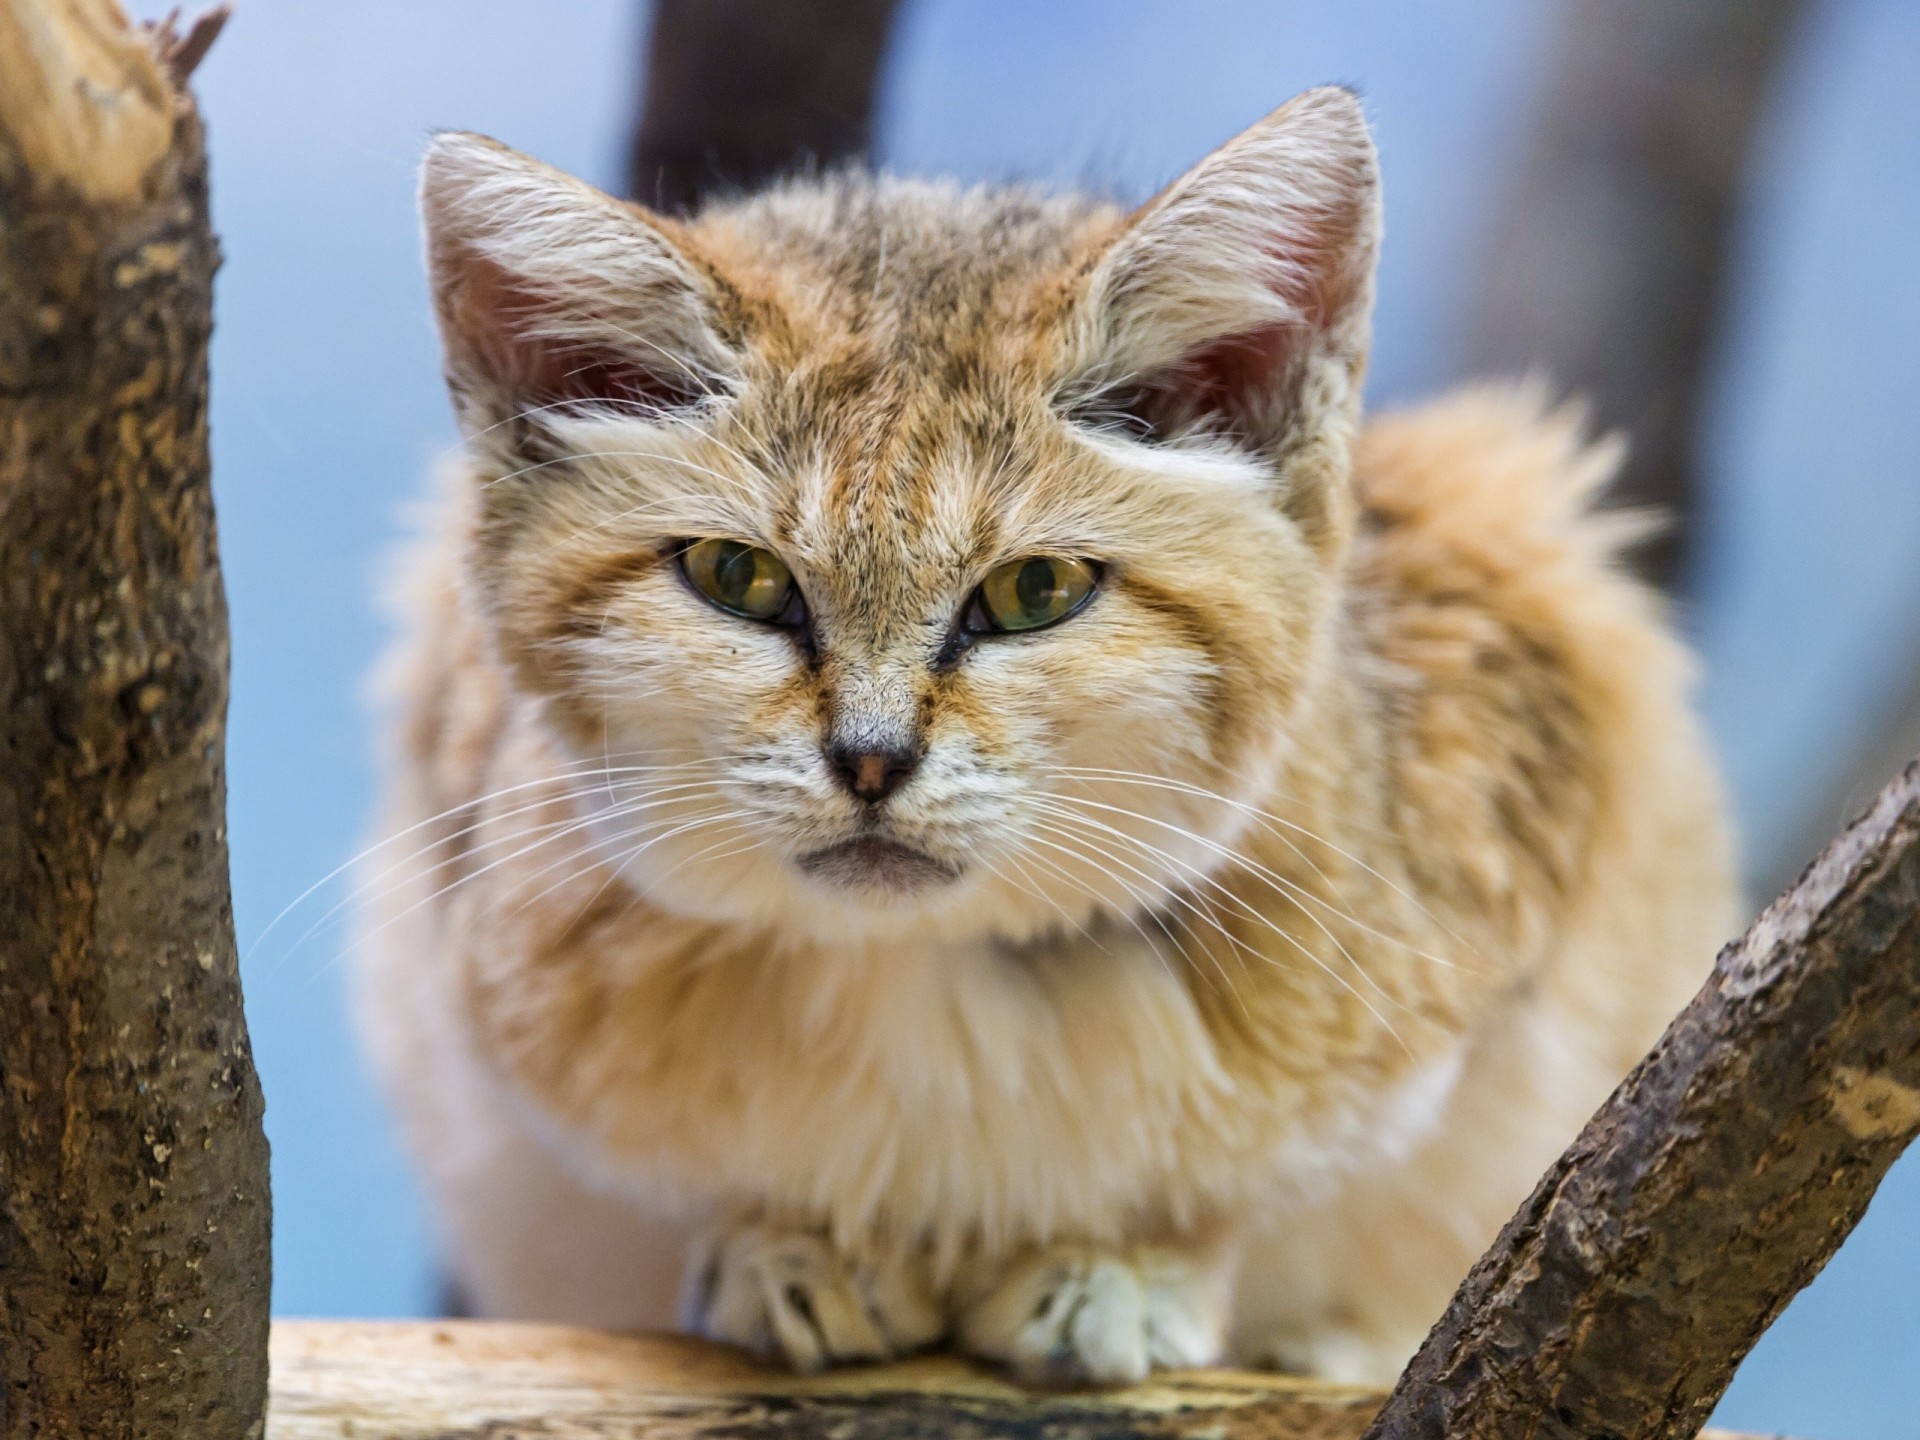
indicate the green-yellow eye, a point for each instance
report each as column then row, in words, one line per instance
column 1036, row 592
column 740, row 579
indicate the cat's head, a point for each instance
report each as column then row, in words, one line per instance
column 884, row 553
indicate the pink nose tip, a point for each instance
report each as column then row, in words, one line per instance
column 872, row 774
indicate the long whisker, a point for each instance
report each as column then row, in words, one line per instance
column 563, row 774
column 544, row 834
column 651, row 799
column 1026, row 883
column 1239, row 902
column 616, row 863
column 1142, row 904
column 459, row 881
column 488, row 818
column 750, row 844
column 1293, row 940
column 1279, row 884
column 1301, row 894
column 1270, row 819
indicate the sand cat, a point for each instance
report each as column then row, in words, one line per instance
column 946, row 786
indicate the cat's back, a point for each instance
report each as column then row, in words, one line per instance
column 1540, row 698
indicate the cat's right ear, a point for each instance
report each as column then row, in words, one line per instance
column 553, row 298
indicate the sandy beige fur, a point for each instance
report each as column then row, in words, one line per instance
column 1290, row 907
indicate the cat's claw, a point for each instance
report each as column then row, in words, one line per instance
column 790, row 1294
column 1081, row 1315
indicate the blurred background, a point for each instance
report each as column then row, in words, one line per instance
column 1705, row 213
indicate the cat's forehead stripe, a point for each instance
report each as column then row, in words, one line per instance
column 906, row 261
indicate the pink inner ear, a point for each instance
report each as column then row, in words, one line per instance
column 501, row 322
column 1233, row 385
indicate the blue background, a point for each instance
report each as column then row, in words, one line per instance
column 328, row 412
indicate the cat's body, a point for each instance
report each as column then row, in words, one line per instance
column 1215, row 967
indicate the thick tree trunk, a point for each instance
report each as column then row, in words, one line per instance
column 1610, row 263
column 133, row 1168
column 739, row 92
column 1714, row 1183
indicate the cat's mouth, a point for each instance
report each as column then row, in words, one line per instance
column 870, row 862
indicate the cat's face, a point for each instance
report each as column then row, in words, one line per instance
column 887, row 556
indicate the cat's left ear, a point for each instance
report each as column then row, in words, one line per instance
column 553, row 297
column 1238, row 301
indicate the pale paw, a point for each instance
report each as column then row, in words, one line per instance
column 1333, row 1352
column 1082, row 1315
column 790, row 1294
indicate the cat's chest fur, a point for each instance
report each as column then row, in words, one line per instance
column 977, row 1093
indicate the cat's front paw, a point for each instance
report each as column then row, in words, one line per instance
column 1085, row 1315
column 789, row 1293
column 1341, row 1354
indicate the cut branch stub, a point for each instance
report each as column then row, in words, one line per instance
column 133, row 1167
column 1715, row 1182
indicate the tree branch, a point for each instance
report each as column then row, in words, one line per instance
column 133, row 1168
column 740, row 92
column 1609, row 266
column 1715, row 1182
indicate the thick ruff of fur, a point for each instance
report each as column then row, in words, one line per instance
column 1263, row 929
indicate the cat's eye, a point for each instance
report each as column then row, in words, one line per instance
column 743, row 580
column 1033, row 593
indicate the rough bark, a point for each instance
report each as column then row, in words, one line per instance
column 1609, row 266
column 133, row 1168
column 477, row 1381
column 1713, row 1184
column 739, row 92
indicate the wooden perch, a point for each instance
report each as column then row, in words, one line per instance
column 133, row 1169
column 1713, row 1184
column 473, row 1381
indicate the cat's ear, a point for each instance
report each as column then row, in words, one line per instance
column 1238, row 300
column 552, row 296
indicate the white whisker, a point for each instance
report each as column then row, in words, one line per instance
column 1279, row 931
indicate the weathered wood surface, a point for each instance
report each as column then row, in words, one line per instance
column 469, row 1380
column 1713, row 1184
column 133, row 1169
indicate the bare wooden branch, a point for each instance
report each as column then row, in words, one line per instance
column 465, row 1380
column 182, row 54
column 133, row 1168
column 1610, row 263
column 739, row 92
column 1715, row 1182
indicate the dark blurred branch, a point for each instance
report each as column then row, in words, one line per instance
column 1712, row 1185
column 738, row 92
column 1609, row 267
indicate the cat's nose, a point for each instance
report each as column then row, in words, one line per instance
column 872, row 773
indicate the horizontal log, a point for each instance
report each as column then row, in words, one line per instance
column 470, row 1380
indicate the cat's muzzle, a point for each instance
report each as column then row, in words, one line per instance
column 875, row 864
